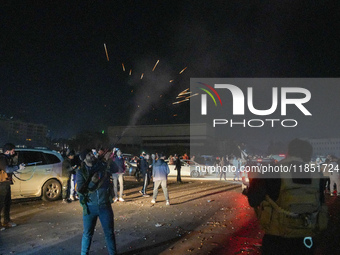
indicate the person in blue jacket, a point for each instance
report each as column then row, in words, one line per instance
column 160, row 178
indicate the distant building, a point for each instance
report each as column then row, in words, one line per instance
column 23, row 133
column 168, row 139
column 325, row 146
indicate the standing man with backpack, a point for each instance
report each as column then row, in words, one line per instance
column 290, row 205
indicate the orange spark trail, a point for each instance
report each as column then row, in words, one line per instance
column 183, row 70
column 180, row 101
column 107, row 55
column 155, row 65
column 184, row 91
column 181, row 94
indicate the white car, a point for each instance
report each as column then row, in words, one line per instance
column 189, row 168
column 42, row 176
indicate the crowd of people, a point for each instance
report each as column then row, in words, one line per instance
column 229, row 160
column 155, row 167
column 280, row 202
column 117, row 167
column 97, row 175
column 144, row 166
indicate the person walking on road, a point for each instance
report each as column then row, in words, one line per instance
column 93, row 187
column 160, row 178
column 178, row 167
column 144, row 169
column 223, row 172
column 236, row 166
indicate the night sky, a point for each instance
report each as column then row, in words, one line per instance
column 54, row 69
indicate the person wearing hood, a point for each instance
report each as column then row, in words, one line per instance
column 93, row 187
column 160, row 178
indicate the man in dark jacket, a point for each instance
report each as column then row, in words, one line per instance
column 178, row 167
column 144, row 170
column 93, row 187
column 68, row 170
column 137, row 173
column 8, row 165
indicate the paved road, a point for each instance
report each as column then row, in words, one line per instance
column 205, row 217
